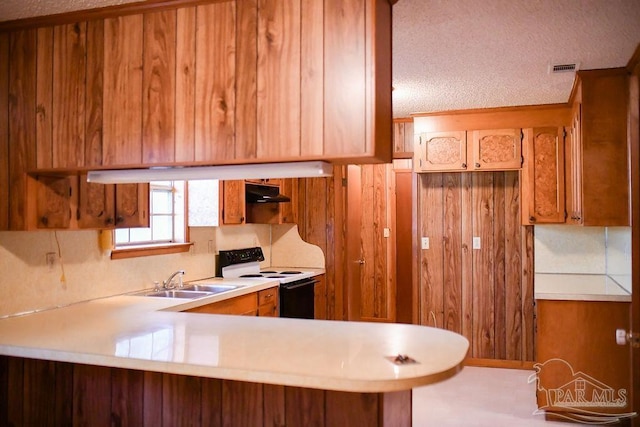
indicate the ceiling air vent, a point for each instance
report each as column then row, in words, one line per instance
column 563, row 68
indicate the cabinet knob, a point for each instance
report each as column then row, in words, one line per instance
column 109, row 221
column 532, row 219
column 478, row 165
column 464, row 166
column 119, row 219
column 44, row 220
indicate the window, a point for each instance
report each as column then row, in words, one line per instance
column 167, row 224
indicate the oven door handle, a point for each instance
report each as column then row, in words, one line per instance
column 297, row 285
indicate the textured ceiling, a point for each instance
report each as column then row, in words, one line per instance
column 459, row 54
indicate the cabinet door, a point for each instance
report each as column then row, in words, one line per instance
column 245, row 305
column 441, row 151
column 232, row 202
column 499, row 149
column 96, row 204
column 268, row 302
column 402, row 139
column 53, row 201
column 575, row 168
column 132, row 205
column 543, row 176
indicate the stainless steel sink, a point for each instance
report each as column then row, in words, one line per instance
column 177, row 293
column 211, row 288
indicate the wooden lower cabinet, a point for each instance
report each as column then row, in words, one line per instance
column 579, row 365
column 261, row 303
column 46, row 393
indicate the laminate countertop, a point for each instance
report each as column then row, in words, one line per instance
column 152, row 334
column 579, row 287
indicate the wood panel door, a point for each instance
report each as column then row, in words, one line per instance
column 499, row 149
column 233, row 202
column 96, row 204
column 403, row 231
column 441, row 151
column 543, row 183
column 472, row 273
column 132, row 205
column 375, row 263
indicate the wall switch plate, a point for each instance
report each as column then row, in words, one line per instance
column 50, row 258
column 425, row 243
column 386, row 232
column 476, row 243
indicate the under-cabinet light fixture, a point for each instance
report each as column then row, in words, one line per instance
column 225, row 172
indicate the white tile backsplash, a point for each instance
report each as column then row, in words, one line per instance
column 570, row 249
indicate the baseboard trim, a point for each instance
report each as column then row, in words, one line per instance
column 498, row 363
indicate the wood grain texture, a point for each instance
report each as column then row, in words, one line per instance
column 22, row 119
column 181, row 400
column 242, row 404
column 233, row 202
column 344, row 88
column 15, row 391
column 53, row 204
column 441, row 151
column 368, row 250
column 528, row 309
column 91, row 395
column 159, row 88
column 304, row 407
column 44, row 98
column 396, row 408
column 96, row 204
column 246, row 125
column 211, row 402
column 351, row 409
column 132, row 205
column 39, row 392
column 127, row 397
column 452, row 248
column 431, row 261
column 278, row 78
column 4, row 131
column 93, row 140
column 185, row 95
column 274, row 404
column 69, row 80
column 152, row 399
column 312, row 78
column 403, row 247
column 215, row 82
column 481, row 293
column 122, row 114
column 483, row 268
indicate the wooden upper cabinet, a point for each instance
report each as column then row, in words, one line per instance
column 289, row 211
column 598, row 157
column 232, row 202
column 497, row 149
column 403, row 138
column 50, row 197
column 542, row 183
column 122, row 102
column 132, row 205
column 96, row 205
column 440, row 151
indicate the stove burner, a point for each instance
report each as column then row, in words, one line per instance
column 268, row 272
column 275, row 277
column 252, row 275
column 291, row 272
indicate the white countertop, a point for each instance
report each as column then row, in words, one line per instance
column 137, row 332
column 578, row 287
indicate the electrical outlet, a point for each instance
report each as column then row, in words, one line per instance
column 386, row 232
column 425, row 243
column 476, row 243
column 50, row 258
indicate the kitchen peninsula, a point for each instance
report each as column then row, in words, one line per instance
column 141, row 361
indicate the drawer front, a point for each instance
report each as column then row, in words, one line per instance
column 244, row 304
column 268, row 296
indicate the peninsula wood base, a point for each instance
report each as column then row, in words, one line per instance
column 47, row 393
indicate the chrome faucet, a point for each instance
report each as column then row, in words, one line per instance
column 169, row 284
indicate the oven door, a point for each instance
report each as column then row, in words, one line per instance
column 297, row 299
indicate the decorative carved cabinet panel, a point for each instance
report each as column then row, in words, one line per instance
column 543, row 191
column 497, row 149
column 441, row 151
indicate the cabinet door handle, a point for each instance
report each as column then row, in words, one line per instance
column 532, row 219
column 464, row 166
column 119, row 219
column 478, row 165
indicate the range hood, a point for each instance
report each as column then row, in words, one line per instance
column 226, row 172
column 258, row 193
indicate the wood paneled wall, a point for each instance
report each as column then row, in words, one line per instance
column 321, row 222
column 44, row 393
column 485, row 294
